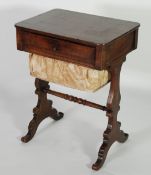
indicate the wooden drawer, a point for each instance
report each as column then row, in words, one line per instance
column 55, row 48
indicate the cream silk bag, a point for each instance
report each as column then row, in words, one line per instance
column 67, row 74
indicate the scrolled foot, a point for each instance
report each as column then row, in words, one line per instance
column 121, row 135
column 56, row 115
column 26, row 138
column 111, row 135
column 98, row 164
column 108, row 140
column 32, row 128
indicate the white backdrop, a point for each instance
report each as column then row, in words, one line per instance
column 70, row 146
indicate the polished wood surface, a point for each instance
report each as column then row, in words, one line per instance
column 77, row 100
column 56, row 48
column 78, row 26
column 42, row 110
column 83, row 39
column 112, row 132
column 87, row 40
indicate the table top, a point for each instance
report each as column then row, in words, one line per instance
column 88, row 40
column 77, row 26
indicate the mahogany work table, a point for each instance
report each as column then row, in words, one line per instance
column 94, row 42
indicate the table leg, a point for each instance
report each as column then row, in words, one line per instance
column 42, row 110
column 112, row 132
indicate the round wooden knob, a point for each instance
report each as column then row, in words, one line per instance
column 54, row 49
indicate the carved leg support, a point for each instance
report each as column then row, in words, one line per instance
column 112, row 132
column 43, row 110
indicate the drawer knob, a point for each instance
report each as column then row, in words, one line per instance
column 54, row 49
